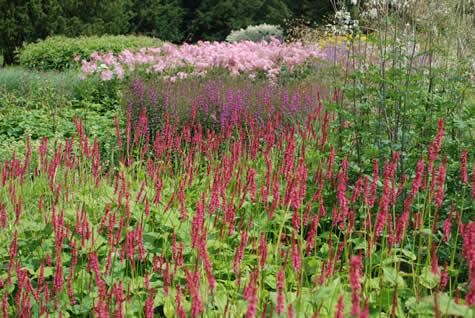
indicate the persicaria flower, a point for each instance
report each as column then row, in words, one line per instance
column 444, row 277
column 180, row 311
column 447, row 226
column 340, row 308
column 280, row 292
column 262, row 250
column 192, row 282
column 469, row 253
column 149, row 305
column 463, row 167
column 439, row 196
column 3, row 216
column 290, row 311
column 240, row 251
column 250, row 294
column 436, row 144
column 331, row 160
column 296, row 255
column 355, row 282
column 357, row 190
column 312, row 234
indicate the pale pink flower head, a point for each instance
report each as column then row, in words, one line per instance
column 107, row 75
column 119, row 71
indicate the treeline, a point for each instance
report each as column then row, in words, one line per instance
column 171, row 20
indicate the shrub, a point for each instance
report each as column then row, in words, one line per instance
column 256, row 33
column 59, row 52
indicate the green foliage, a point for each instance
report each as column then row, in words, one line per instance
column 25, row 87
column 45, row 113
column 310, row 10
column 58, row 52
column 91, row 17
column 26, row 20
column 23, row 82
column 256, row 33
column 214, row 19
column 158, row 18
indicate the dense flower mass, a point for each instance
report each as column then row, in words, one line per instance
column 179, row 62
column 230, row 220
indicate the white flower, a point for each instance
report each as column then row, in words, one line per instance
column 373, row 13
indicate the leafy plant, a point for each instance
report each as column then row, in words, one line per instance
column 61, row 53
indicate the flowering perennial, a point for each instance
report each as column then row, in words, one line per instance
column 179, row 62
column 231, row 222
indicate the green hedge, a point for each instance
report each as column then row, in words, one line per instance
column 58, row 52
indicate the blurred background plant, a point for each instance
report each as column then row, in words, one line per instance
column 405, row 64
column 256, row 33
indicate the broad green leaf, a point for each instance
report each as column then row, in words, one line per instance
column 428, row 279
column 393, row 277
column 168, row 308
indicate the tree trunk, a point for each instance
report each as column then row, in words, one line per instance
column 8, row 57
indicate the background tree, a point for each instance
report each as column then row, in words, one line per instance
column 273, row 12
column 214, row 19
column 310, row 10
column 158, row 18
column 88, row 17
column 26, row 20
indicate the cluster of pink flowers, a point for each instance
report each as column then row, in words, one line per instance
column 180, row 61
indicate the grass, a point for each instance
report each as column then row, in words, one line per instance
column 15, row 78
